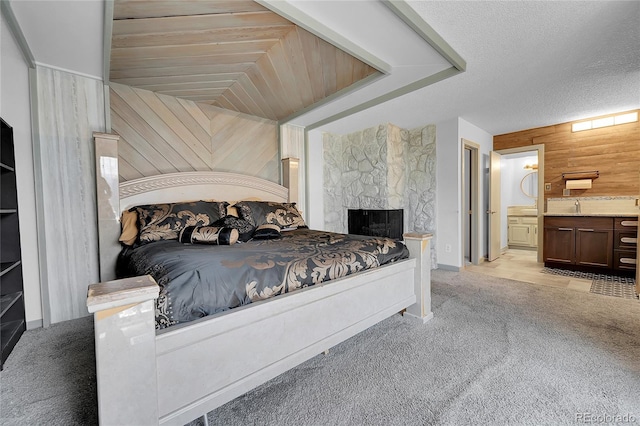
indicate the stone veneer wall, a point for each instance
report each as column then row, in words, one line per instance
column 383, row 167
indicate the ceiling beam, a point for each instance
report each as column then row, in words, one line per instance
column 12, row 22
column 424, row 30
column 106, row 42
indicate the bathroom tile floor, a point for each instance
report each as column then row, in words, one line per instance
column 522, row 265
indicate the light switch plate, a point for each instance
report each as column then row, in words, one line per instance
column 547, row 187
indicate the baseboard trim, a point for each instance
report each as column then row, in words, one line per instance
column 34, row 324
column 448, row 267
column 523, row 248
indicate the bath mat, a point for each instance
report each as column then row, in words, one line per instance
column 607, row 285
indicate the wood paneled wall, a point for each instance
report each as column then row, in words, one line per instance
column 614, row 151
column 164, row 134
column 70, row 108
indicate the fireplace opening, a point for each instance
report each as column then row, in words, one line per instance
column 376, row 223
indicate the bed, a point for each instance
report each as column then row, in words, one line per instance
column 178, row 373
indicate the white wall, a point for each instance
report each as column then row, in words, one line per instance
column 315, row 180
column 15, row 110
column 485, row 140
column 448, row 201
column 449, row 135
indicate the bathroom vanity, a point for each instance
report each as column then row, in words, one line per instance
column 591, row 242
column 522, row 227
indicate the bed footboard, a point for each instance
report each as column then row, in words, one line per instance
column 187, row 370
column 419, row 246
column 124, row 323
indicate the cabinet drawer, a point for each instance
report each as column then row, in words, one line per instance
column 513, row 219
column 627, row 223
column 530, row 220
column 625, row 240
column 624, row 259
column 603, row 223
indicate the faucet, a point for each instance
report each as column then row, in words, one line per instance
column 577, row 206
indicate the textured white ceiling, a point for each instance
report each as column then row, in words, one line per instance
column 529, row 63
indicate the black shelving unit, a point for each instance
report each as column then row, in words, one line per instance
column 12, row 318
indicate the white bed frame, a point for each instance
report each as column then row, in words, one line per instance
column 181, row 373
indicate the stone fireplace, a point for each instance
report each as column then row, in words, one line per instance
column 376, row 222
column 383, row 167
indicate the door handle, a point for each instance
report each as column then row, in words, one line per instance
column 491, row 212
column 565, row 229
column 585, row 230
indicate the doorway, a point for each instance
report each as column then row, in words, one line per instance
column 470, row 203
column 532, row 202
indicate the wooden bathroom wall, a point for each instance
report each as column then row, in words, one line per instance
column 164, row 134
column 614, row 151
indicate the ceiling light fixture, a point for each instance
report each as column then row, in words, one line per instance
column 605, row 122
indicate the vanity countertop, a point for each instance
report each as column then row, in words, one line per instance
column 522, row 211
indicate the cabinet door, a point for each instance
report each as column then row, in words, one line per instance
column 519, row 235
column 559, row 245
column 532, row 223
column 594, row 247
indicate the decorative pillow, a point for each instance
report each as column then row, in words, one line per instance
column 285, row 215
column 165, row 221
column 232, row 211
column 266, row 232
column 208, row 235
column 129, row 223
column 244, row 227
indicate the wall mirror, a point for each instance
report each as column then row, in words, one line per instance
column 529, row 184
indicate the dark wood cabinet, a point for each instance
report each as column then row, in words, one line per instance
column 12, row 318
column 559, row 244
column 625, row 242
column 589, row 243
column 594, row 247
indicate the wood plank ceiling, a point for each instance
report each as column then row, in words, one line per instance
column 234, row 54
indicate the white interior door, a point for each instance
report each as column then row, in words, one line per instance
column 494, row 206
